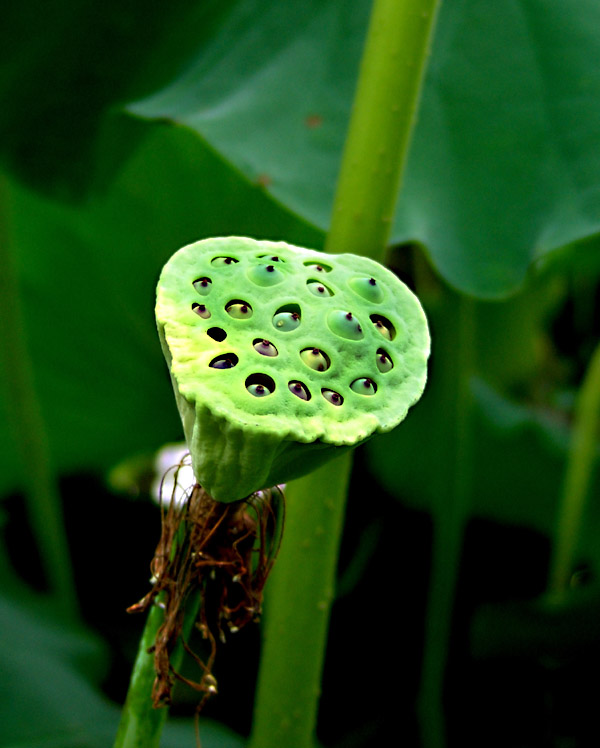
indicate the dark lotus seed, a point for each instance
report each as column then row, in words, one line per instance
column 364, row 386
column 239, row 309
column 260, row 385
column 367, row 288
column 265, row 348
column 318, row 288
column 201, row 310
column 202, row 285
column 332, row 397
column 270, row 268
column 384, row 326
column 227, row 361
column 258, row 390
column 315, row 359
column 384, row 362
column 286, row 321
column 298, row 389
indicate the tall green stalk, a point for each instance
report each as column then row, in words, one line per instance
column 141, row 724
column 29, row 428
column 299, row 595
column 456, row 357
column 580, row 464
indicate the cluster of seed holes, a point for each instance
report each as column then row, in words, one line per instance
column 238, row 309
column 299, row 389
column 201, row 310
column 319, row 267
column 384, row 326
column 202, row 285
column 224, row 361
column 264, row 347
column 216, row 333
column 260, row 385
column 318, row 288
column 287, row 318
column 315, row 359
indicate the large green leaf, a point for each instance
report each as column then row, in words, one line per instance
column 65, row 64
column 88, row 278
column 49, row 686
column 504, row 166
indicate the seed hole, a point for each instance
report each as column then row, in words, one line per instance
column 315, row 358
column 266, row 274
column 318, row 288
column 384, row 361
column 216, row 333
column 367, row 288
column 223, row 261
column 344, row 324
column 260, row 385
column 384, row 326
column 226, row 361
column 318, row 266
column 238, row 309
column 332, row 397
column 202, row 285
column 364, row 386
column 264, row 347
column 201, row 310
column 287, row 318
column 272, row 258
column 299, row 389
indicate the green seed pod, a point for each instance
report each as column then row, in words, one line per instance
column 284, row 376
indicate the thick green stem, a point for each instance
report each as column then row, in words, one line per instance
column 383, row 115
column 28, row 427
column 450, row 516
column 141, row 724
column 299, row 595
column 580, row 464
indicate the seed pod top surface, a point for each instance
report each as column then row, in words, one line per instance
column 279, row 355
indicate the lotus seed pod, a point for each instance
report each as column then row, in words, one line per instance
column 286, row 373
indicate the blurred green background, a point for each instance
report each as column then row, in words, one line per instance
column 129, row 129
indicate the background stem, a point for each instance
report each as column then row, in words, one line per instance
column 578, row 476
column 29, row 431
column 141, row 724
column 299, row 595
column 450, row 514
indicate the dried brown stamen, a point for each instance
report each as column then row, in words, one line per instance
column 221, row 551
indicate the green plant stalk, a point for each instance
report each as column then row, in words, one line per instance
column 450, row 516
column 299, row 595
column 383, row 115
column 141, row 724
column 29, row 428
column 578, row 474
